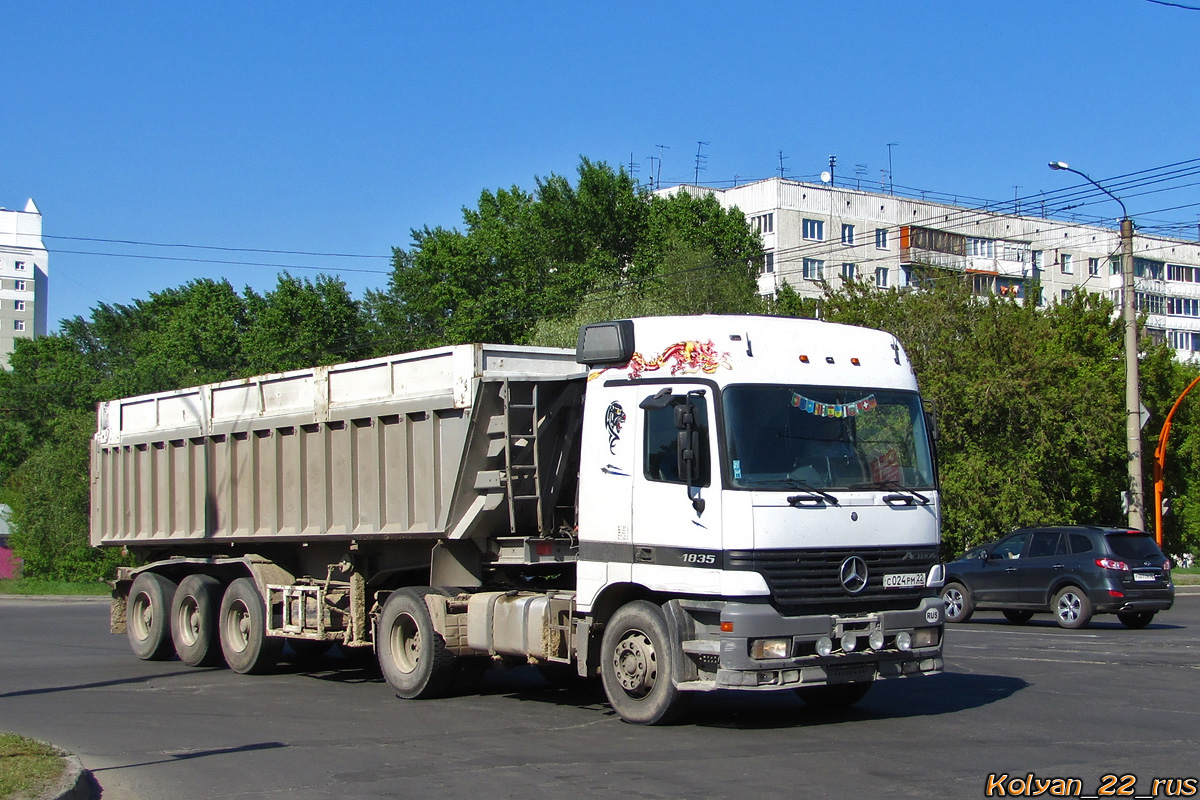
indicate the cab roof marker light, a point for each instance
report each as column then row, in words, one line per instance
column 856, row 362
column 803, row 359
column 828, row 359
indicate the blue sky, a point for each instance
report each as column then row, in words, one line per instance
column 339, row 127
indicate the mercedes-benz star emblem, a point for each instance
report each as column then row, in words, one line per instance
column 853, row 574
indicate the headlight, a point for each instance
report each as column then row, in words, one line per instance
column 770, row 648
column 924, row 637
column 904, row 640
column 849, row 643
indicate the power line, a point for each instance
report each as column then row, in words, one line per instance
column 213, row 247
column 216, row 261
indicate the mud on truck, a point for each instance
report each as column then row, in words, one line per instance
column 679, row 505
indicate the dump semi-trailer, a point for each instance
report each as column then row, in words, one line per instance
column 681, row 504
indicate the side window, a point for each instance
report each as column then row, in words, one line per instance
column 1044, row 544
column 661, row 459
column 1010, row 548
column 1080, row 543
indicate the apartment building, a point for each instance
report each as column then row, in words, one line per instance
column 816, row 235
column 24, row 277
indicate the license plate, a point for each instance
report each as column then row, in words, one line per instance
column 903, row 580
column 848, row 673
column 1144, row 576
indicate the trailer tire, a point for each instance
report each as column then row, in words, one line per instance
column 412, row 655
column 194, row 621
column 148, row 620
column 637, row 664
column 243, row 625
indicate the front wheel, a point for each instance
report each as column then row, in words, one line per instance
column 1135, row 619
column 148, row 617
column 636, row 663
column 243, row 626
column 412, row 655
column 1072, row 607
column 959, row 605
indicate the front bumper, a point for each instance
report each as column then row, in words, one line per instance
column 878, row 641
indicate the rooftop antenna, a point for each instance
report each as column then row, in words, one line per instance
column 701, row 160
column 782, row 158
column 634, row 167
column 1017, row 200
column 832, row 164
column 653, row 161
column 860, row 170
column 658, row 175
column 891, row 173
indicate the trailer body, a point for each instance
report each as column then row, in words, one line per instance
column 680, row 504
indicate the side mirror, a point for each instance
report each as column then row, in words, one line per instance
column 688, row 450
column 984, row 556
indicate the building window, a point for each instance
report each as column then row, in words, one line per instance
column 18, row 324
column 881, row 276
column 19, row 265
column 768, row 263
column 18, row 305
column 19, row 285
column 983, row 248
column 848, row 272
column 1150, row 303
column 1177, row 272
column 763, row 223
column 813, row 268
column 1065, row 294
column 881, row 238
column 1093, row 267
column 813, row 229
column 847, row 234
column 1114, row 265
column 1145, row 268
column 1185, row 340
column 1064, row 264
column 1183, row 307
column 1039, row 261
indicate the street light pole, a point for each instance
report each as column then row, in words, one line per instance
column 1133, row 411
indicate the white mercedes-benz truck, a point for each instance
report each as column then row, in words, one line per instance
column 681, row 504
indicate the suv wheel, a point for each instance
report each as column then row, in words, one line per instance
column 959, row 605
column 1072, row 608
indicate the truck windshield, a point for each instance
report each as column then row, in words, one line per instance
column 784, row 437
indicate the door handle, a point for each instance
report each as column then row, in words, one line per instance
column 1010, row 569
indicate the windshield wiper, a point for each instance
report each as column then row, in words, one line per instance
column 896, row 485
column 813, row 493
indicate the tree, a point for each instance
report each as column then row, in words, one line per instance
column 301, row 323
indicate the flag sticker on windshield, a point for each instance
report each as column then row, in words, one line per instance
column 811, row 406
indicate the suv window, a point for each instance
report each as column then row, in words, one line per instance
column 1044, row 543
column 1080, row 543
column 1133, row 545
column 1011, row 547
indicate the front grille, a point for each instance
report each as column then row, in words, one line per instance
column 808, row 581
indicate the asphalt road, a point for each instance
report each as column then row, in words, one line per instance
column 1014, row 700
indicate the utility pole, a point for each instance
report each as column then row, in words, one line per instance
column 1133, row 405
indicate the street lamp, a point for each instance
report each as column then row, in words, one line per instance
column 1133, row 428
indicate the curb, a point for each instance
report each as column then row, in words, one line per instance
column 59, row 598
column 75, row 784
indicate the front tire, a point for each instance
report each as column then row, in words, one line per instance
column 243, row 625
column 959, row 604
column 412, row 655
column 1072, row 607
column 636, row 665
column 1135, row 619
column 148, row 617
column 194, row 621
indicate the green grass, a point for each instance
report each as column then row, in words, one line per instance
column 37, row 586
column 27, row 767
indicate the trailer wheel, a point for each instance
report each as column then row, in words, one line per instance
column 636, row 664
column 194, row 621
column 148, row 620
column 243, row 624
column 412, row 655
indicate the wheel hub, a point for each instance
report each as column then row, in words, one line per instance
column 636, row 664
